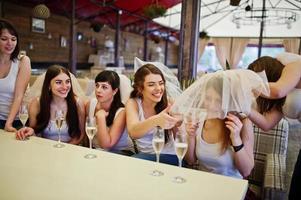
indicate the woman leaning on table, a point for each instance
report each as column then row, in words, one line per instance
column 14, row 77
column 57, row 94
column 109, row 112
column 148, row 108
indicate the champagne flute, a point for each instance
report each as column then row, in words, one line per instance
column 181, row 149
column 23, row 114
column 59, row 119
column 91, row 132
column 158, row 144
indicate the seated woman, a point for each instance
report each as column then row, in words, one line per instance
column 222, row 140
column 223, row 145
column 109, row 112
column 148, row 108
column 57, row 94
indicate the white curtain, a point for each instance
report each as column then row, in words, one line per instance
column 222, row 48
column 238, row 48
column 202, row 45
column 291, row 45
column 230, row 49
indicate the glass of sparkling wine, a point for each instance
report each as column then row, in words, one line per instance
column 23, row 114
column 91, row 132
column 158, row 144
column 181, row 149
column 59, row 119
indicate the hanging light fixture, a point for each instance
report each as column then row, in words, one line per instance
column 41, row 11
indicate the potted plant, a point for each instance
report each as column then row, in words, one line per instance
column 154, row 10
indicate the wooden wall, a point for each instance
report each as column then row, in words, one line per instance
column 49, row 50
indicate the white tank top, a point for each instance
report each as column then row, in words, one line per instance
column 292, row 106
column 7, row 90
column 124, row 143
column 144, row 144
column 211, row 160
column 51, row 132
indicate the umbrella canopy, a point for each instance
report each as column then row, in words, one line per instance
column 219, row 19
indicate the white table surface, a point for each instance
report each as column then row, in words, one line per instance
column 34, row 169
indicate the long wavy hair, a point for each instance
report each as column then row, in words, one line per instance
column 6, row 25
column 113, row 79
column 138, row 86
column 273, row 69
column 43, row 116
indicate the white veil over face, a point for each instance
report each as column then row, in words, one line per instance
column 221, row 92
column 173, row 88
column 36, row 89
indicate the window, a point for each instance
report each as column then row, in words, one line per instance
column 209, row 61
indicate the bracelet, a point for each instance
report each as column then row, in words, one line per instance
column 238, row 148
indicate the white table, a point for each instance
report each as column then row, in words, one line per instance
column 34, row 169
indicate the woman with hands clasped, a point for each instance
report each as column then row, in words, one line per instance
column 221, row 146
column 109, row 112
column 147, row 109
column 56, row 95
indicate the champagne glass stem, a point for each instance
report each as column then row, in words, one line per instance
column 180, row 162
column 157, row 157
column 90, row 143
column 59, row 135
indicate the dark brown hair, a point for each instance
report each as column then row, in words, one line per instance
column 6, row 25
column 43, row 116
column 273, row 69
column 139, row 79
column 138, row 86
column 113, row 79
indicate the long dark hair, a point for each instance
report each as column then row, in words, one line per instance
column 139, row 79
column 6, row 25
column 273, row 69
column 113, row 79
column 138, row 86
column 43, row 116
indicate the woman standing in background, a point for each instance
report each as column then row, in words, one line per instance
column 14, row 77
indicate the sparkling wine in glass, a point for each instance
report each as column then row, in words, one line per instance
column 91, row 132
column 181, row 146
column 23, row 114
column 158, row 144
column 59, row 120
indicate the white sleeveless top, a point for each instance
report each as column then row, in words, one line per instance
column 211, row 160
column 144, row 144
column 124, row 143
column 51, row 132
column 292, row 106
column 7, row 89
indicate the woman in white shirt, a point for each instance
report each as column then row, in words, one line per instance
column 57, row 94
column 109, row 112
column 14, row 77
